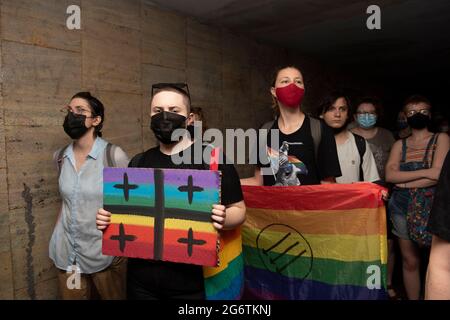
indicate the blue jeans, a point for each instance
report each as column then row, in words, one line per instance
column 398, row 208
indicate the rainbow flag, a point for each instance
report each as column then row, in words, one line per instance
column 226, row 282
column 315, row 242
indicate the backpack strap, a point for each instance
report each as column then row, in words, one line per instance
column 361, row 146
column 268, row 125
column 404, row 147
column 109, row 159
column 431, row 146
column 434, row 146
column 60, row 159
column 316, row 133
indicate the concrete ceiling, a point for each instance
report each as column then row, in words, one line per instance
column 414, row 38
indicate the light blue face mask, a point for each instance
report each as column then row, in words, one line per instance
column 367, row 120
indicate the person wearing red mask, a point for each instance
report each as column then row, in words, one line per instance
column 307, row 152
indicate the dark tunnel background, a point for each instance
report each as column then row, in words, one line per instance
column 224, row 49
column 409, row 55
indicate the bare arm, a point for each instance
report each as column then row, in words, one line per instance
column 442, row 147
column 393, row 173
column 57, row 164
column 438, row 273
column 256, row 180
column 421, row 183
column 432, row 174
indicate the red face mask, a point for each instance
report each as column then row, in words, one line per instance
column 291, row 95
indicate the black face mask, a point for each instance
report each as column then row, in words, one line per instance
column 74, row 125
column 163, row 124
column 418, row 121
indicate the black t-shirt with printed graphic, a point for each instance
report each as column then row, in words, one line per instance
column 297, row 161
column 165, row 279
column 231, row 191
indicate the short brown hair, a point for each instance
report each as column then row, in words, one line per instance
column 415, row 99
column 185, row 96
column 376, row 102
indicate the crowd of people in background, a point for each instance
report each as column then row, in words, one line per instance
column 342, row 143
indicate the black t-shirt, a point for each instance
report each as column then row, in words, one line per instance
column 297, row 161
column 439, row 222
column 166, row 278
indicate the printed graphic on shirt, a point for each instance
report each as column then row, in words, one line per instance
column 379, row 155
column 286, row 168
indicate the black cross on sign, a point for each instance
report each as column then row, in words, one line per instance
column 126, row 187
column 190, row 241
column 122, row 237
column 160, row 212
column 190, row 189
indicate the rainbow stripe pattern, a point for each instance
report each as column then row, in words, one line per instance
column 161, row 214
column 226, row 281
column 325, row 242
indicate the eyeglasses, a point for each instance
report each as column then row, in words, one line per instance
column 76, row 110
column 178, row 86
column 363, row 112
column 425, row 112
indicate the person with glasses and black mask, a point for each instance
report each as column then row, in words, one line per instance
column 76, row 244
column 414, row 167
column 151, row 279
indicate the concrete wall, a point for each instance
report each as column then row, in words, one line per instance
column 123, row 47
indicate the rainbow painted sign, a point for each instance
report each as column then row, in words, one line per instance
column 161, row 214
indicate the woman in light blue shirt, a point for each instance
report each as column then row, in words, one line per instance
column 76, row 244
